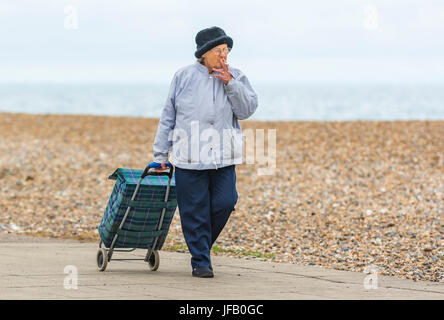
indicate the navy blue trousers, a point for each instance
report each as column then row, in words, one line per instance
column 205, row 199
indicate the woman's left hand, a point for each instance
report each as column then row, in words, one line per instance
column 225, row 75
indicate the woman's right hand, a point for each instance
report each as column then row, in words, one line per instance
column 164, row 167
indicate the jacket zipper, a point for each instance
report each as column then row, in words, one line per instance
column 214, row 99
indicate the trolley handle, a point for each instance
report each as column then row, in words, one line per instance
column 156, row 165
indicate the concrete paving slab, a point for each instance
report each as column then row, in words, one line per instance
column 35, row 269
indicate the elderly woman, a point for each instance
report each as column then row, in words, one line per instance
column 199, row 125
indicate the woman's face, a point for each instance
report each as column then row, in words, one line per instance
column 213, row 56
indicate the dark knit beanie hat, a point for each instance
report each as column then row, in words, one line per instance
column 209, row 38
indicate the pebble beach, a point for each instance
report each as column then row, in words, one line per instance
column 364, row 196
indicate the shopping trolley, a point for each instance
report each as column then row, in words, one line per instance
column 138, row 214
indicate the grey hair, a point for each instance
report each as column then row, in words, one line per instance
column 201, row 60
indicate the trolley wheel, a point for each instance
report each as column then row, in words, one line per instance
column 102, row 259
column 154, row 260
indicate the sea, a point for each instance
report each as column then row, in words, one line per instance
column 277, row 102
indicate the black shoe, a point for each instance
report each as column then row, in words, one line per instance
column 203, row 272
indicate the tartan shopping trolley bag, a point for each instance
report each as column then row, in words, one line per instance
column 138, row 214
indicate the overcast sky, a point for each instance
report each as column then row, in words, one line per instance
column 274, row 41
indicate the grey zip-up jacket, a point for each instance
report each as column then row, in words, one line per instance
column 199, row 125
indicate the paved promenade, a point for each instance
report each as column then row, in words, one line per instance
column 33, row 268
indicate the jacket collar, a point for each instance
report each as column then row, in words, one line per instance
column 201, row 67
